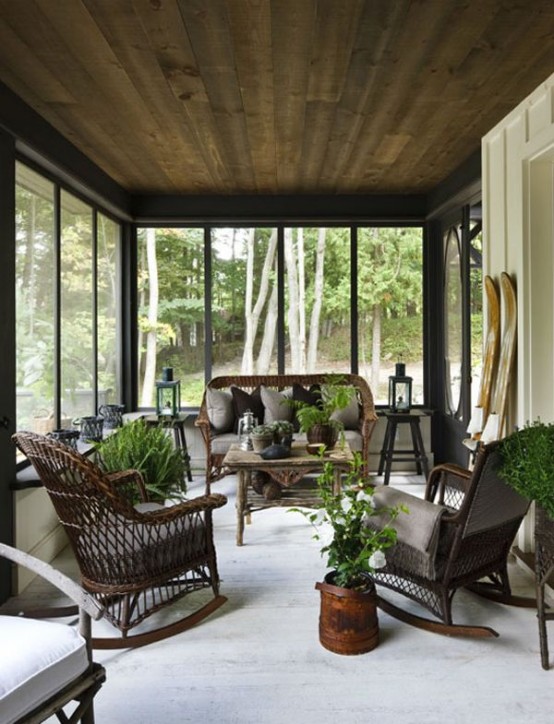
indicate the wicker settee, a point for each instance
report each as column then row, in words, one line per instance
column 225, row 397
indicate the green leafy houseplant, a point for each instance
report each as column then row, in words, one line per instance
column 353, row 550
column 528, row 463
column 149, row 450
column 335, row 396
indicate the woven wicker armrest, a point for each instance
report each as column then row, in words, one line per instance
column 128, row 478
column 187, row 507
column 446, row 476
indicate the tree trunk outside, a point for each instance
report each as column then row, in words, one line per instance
column 292, row 312
column 376, row 349
column 318, row 297
column 252, row 316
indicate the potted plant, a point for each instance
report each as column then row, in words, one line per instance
column 148, row 449
column 317, row 421
column 261, row 437
column 528, row 467
column 348, row 615
column 528, row 463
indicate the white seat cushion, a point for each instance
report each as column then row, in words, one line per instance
column 37, row 659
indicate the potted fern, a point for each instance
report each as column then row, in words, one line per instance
column 149, row 450
column 317, row 420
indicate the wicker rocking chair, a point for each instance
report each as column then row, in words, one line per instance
column 133, row 561
column 463, row 537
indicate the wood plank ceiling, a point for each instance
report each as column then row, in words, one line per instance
column 275, row 96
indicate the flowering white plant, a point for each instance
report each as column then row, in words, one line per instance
column 353, row 549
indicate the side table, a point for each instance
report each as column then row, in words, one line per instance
column 417, row 452
column 177, row 424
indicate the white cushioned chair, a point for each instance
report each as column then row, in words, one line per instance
column 45, row 666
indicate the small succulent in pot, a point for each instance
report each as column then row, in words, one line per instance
column 283, row 431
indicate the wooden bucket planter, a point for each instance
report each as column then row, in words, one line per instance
column 348, row 621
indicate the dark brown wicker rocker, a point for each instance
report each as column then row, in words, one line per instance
column 475, row 517
column 134, row 563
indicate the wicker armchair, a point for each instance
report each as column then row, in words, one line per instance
column 464, row 536
column 134, row 561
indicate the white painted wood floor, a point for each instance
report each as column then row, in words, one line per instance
column 258, row 658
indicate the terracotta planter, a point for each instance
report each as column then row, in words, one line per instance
column 323, row 434
column 348, row 621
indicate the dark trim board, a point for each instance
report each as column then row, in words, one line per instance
column 7, row 358
column 375, row 209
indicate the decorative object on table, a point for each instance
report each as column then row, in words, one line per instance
column 528, row 467
column 68, row 437
column 113, row 415
column 400, row 389
column 247, row 423
column 168, row 397
column 43, row 421
column 167, row 374
column 279, row 432
column 348, row 615
column 275, row 452
column 319, row 421
column 91, row 427
column 261, row 437
column 146, row 448
column 283, row 431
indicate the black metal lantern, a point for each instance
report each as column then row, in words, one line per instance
column 168, row 397
column 400, row 390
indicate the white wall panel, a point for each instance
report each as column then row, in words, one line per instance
column 518, row 208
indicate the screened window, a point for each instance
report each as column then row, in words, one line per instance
column 171, row 311
column 390, row 306
column 67, row 286
column 35, row 300
column 248, row 315
column 317, row 299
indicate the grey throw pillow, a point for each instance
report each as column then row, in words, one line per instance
column 275, row 405
column 219, row 404
column 350, row 415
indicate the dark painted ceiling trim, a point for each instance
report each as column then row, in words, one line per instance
column 340, row 209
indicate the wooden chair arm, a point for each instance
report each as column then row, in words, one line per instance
column 441, row 476
column 187, row 507
column 72, row 589
column 128, row 478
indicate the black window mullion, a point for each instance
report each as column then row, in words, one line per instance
column 280, row 300
column 354, row 362
column 207, row 304
column 95, row 310
column 57, row 306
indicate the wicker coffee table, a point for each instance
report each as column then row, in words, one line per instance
column 288, row 472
